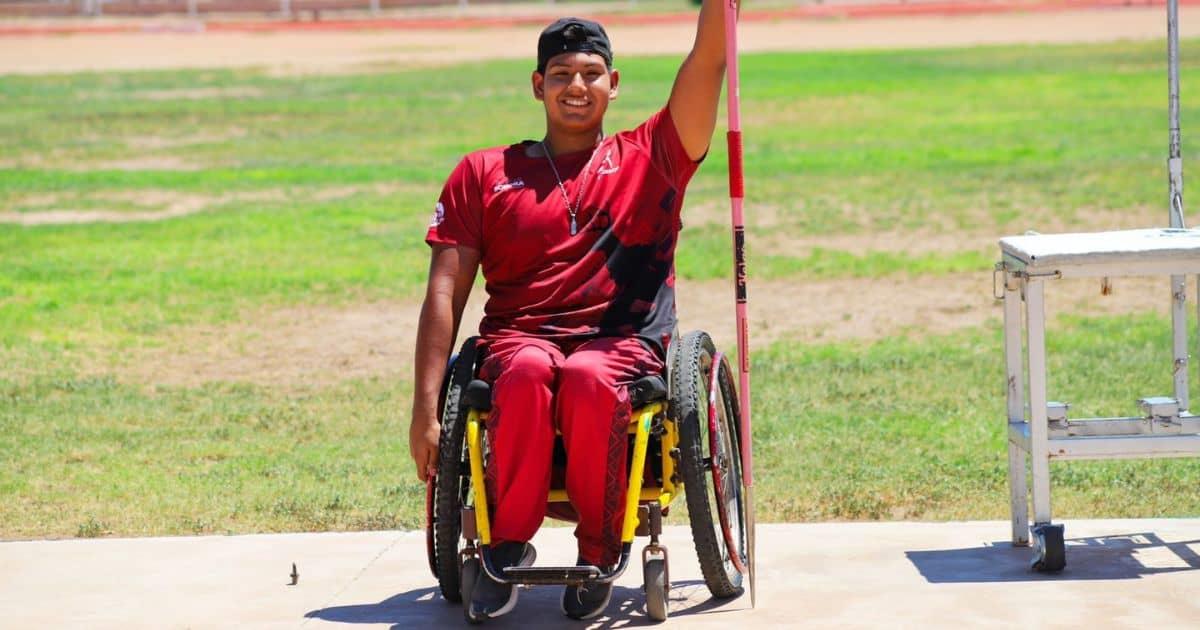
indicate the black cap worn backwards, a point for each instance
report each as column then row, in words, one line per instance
column 573, row 35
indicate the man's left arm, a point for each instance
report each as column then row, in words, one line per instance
column 697, row 90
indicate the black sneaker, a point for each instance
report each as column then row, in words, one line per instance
column 586, row 600
column 491, row 598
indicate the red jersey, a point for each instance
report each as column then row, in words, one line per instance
column 615, row 276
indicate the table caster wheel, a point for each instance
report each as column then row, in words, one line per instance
column 1049, row 550
column 655, row 572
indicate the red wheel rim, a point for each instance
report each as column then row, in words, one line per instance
column 714, row 449
column 430, row 549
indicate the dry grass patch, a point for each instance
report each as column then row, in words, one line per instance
column 303, row 346
column 160, row 205
column 241, row 91
column 867, row 309
column 289, row 53
column 292, row 347
column 60, row 159
column 152, row 143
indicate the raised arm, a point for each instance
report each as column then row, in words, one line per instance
column 451, row 274
column 697, row 90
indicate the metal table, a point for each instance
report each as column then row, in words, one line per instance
column 1040, row 428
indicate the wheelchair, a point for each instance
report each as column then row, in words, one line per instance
column 684, row 436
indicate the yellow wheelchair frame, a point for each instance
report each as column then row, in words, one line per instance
column 691, row 417
column 639, row 426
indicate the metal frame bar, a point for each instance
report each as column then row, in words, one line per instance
column 1179, row 339
column 1109, row 269
column 641, row 421
column 1018, row 493
column 1175, row 150
column 1035, row 323
column 1118, row 446
column 1175, row 205
column 1125, row 447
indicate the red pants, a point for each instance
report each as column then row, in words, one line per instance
column 579, row 388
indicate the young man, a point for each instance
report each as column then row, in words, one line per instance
column 576, row 236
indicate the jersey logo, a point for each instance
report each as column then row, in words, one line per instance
column 607, row 167
column 439, row 215
column 509, row 185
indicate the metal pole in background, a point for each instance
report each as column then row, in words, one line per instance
column 1175, row 161
column 737, row 194
column 1180, row 368
column 285, row 8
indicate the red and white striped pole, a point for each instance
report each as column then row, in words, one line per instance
column 737, row 195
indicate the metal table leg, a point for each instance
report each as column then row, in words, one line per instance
column 1018, row 494
column 1039, row 447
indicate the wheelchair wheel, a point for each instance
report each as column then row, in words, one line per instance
column 453, row 476
column 706, row 411
column 655, row 584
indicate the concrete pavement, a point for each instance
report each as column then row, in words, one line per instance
column 1120, row 573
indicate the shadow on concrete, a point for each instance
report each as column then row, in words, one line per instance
column 1119, row 557
column 538, row 607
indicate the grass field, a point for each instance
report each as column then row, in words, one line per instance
column 314, row 191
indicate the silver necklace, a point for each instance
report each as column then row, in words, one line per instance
column 572, row 209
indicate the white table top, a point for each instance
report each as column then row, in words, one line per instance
column 1135, row 248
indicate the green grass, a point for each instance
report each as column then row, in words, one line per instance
column 895, row 429
column 318, row 190
column 995, row 138
column 89, row 456
column 915, row 429
column 1001, row 139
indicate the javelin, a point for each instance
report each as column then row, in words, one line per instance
column 737, row 195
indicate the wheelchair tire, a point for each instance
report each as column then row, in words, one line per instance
column 453, row 476
column 710, row 462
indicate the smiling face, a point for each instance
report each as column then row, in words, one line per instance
column 575, row 90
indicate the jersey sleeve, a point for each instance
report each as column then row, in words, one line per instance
column 667, row 154
column 458, row 215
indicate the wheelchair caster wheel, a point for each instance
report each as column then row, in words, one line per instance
column 1049, row 550
column 655, row 572
column 468, row 575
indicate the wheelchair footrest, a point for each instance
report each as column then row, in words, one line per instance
column 552, row 575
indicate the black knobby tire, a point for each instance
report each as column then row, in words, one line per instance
column 453, row 475
column 690, row 374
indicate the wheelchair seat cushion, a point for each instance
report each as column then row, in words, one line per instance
column 478, row 396
column 646, row 390
column 643, row 391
